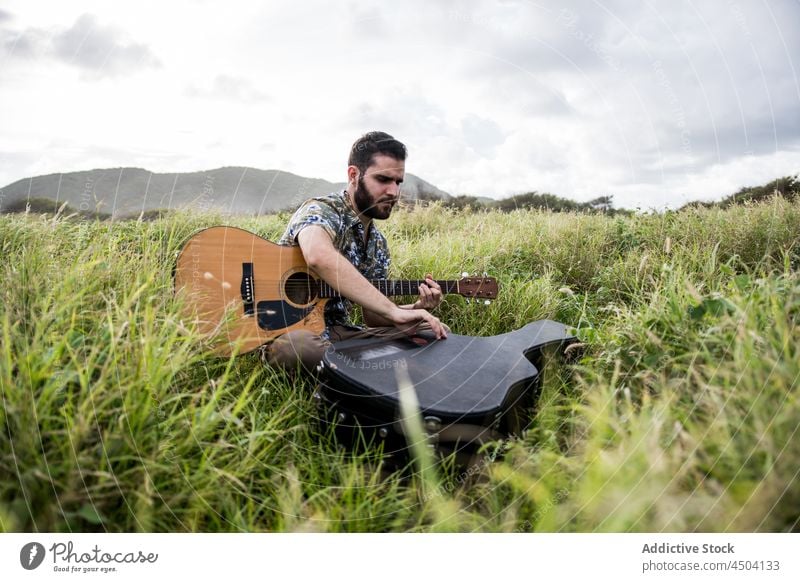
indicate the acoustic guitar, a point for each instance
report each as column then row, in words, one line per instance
column 244, row 290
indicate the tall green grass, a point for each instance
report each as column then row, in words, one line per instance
column 682, row 416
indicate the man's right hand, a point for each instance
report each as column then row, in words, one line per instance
column 411, row 320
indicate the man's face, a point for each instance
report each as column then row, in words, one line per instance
column 378, row 189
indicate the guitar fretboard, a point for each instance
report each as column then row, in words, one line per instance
column 392, row 288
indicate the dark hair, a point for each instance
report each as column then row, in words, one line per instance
column 375, row 142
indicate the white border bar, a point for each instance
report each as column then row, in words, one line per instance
column 408, row 557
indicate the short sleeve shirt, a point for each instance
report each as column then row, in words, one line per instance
column 334, row 213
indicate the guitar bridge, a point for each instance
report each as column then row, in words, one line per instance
column 247, row 289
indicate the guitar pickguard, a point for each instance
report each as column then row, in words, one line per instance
column 277, row 315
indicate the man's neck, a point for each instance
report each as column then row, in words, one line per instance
column 350, row 194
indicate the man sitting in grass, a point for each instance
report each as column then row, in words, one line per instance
column 342, row 244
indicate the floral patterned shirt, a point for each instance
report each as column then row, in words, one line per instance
column 334, row 213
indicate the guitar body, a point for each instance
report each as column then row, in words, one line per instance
column 244, row 290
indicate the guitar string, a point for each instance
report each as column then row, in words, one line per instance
column 300, row 285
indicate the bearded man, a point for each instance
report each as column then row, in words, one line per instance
column 340, row 241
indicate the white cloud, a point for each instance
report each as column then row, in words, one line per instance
column 99, row 49
column 231, row 88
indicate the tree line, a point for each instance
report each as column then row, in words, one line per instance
column 787, row 187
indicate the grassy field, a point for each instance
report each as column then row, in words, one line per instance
column 683, row 414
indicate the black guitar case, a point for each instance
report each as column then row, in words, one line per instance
column 470, row 390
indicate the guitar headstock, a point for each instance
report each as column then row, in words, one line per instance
column 477, row 287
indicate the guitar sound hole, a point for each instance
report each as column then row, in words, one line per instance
column 301, row 288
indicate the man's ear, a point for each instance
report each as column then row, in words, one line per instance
column 352, row 175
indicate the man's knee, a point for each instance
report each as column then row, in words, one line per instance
column 296, row 347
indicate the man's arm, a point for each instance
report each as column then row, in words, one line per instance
column 339, row 273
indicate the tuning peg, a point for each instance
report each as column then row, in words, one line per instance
column 487, row 302
column 485, row 274
column 465, row 274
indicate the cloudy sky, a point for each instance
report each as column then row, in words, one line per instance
column 656, row 103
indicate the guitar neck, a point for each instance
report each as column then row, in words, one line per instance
column 393, row 287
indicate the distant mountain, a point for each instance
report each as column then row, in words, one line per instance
column 238, row 190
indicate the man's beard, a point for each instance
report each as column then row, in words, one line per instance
column 365, row 206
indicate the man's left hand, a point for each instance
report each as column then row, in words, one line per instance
column 430, row 294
